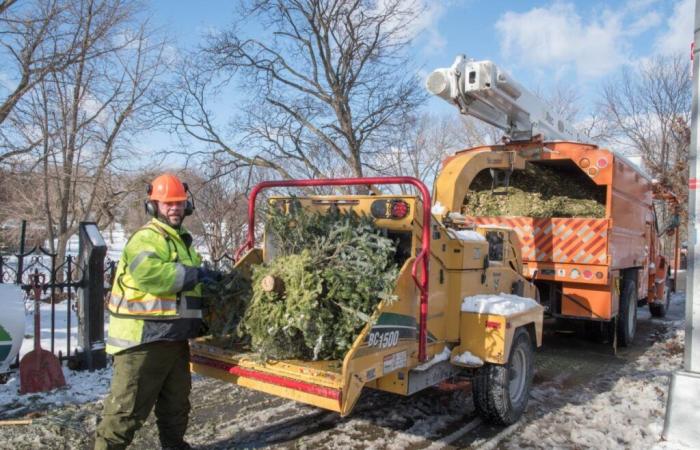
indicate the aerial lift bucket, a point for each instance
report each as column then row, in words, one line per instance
column 39, row 370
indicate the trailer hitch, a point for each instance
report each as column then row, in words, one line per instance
column 421, row 259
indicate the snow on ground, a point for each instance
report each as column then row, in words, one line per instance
column 81, row 387
column 502, row 304
column 624, row 408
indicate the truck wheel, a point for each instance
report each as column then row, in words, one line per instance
column 627, row 318
column 501, row 391
column 660, row 309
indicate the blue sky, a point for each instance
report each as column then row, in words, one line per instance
column 541, row 43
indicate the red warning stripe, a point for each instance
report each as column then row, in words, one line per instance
column 297, row 385
column 693, row 184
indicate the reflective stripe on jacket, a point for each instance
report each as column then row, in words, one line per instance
column 155, row 295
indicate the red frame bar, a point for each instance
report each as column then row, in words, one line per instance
column 422, row 284
column 277, row 380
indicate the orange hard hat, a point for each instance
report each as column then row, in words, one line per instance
column 167, row 188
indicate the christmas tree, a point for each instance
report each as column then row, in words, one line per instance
column 311, row 300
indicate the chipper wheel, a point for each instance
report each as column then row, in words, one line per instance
column 501, row 391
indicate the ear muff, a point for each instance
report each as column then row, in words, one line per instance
column 189, row 205
column 150, row 206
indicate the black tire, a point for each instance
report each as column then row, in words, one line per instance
column 660, row 309
column 627, row 317
column 501, row 391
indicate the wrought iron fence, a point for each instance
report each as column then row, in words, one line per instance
column 63, row 280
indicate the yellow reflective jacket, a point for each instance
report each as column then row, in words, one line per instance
column 155, row 295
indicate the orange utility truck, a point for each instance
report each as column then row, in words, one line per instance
column 591, row 268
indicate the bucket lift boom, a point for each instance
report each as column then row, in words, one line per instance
column 481, row 89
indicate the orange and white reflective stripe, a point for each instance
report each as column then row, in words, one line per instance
column 562, row 240
column 140, row 307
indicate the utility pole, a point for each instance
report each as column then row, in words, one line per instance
column 683, row 407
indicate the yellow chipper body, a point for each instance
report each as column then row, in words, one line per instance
column 437, row 329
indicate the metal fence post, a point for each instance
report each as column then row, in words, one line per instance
column 20, row 256
column 69, row 297
column 91, row 298
column 52, row 298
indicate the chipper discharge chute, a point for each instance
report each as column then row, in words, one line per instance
column 478, row 317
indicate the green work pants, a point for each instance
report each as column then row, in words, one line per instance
column 157, row 373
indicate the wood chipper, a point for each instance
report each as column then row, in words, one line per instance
column 463, row 307
column 591, row 268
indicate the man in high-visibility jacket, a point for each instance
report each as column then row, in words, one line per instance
column 155, row 307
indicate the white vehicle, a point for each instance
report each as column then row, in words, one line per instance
column 11, row 324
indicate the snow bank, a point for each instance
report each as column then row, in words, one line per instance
column 468, row 359
column 438, row 357
column 501, row 304
column 465, row 235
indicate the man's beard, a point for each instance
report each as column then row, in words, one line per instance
column 166, row 219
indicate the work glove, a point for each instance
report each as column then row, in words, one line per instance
column 208, row 276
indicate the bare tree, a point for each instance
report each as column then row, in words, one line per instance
column 221, row 216
column 327, row 84
column 565, row 101
column 649, row 110
column 17, row 197
column 85, row 115
column 39, row 39
column 420, row 145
